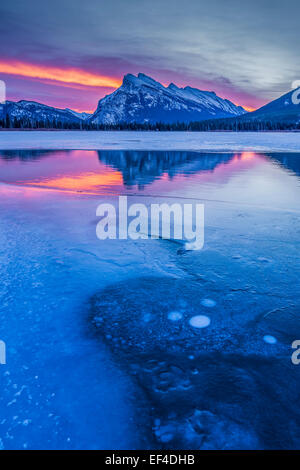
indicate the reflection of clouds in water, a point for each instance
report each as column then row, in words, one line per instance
column 199, row 175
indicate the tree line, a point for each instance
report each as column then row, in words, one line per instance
column 226, row 124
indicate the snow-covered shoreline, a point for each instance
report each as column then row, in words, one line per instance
column 125, row 140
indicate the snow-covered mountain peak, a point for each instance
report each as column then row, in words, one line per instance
column 28, row 104
column 142, row 99
column 172, row 86
column 140, row 80
column 130, row 79
column 149, row 80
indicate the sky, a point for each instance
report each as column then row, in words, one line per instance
column 71, row 53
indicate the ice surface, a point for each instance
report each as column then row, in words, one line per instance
column 214, row 141
column 100, row 352
column 60, row 388
column 211, row 387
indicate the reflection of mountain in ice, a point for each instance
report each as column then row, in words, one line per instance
column 64, row 168
column 291, row 161
column 27, row 155
column 142, row 168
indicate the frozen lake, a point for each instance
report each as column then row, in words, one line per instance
column 214, row 141
column 127, row 344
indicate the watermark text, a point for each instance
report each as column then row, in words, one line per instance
column 140, row 221
column 2, row 353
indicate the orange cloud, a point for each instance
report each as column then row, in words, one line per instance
column 64, row 75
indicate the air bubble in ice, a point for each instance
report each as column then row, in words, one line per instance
column 175, row 316
column 269, row 339
column 199, row 321
column 208, row 303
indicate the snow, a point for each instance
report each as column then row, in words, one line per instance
column 189, row 103
column 210, row 141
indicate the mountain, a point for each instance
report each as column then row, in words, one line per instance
column 281, row 109
column 141, row 99
column 280, row 114
column 30, row 113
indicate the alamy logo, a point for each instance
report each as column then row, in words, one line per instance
column 296, row 353
column 296, row 94
column 2, row 92
column 2, row 353
column 138, row 221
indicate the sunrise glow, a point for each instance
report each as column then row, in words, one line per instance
column 65, row 75
column 248, row 108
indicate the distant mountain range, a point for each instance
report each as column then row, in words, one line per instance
column 141, row 102
column 30, row 112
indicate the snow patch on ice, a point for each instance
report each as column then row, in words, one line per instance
column 218, row 141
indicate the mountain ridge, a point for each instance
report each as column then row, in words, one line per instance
column 282, row 113
column 28, row 112
column 141, row 99
column 142, row 102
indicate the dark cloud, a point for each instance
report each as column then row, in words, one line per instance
column 250, row 48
